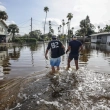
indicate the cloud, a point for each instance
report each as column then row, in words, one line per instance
column 9, row 22
column 55, row 21
column 97, row 10
column 2, row 8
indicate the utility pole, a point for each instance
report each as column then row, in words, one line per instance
column 31, row 24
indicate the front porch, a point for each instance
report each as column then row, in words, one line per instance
column 2, row 38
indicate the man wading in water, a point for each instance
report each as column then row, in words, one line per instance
column 55, row 60
column 75, row 47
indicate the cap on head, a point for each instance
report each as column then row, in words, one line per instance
column 74, row 37
column 54, row 37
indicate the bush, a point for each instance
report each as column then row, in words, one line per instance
column 25, row 40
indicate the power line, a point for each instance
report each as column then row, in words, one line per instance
column 23, row 22
column 24, row 27
column 47, row 23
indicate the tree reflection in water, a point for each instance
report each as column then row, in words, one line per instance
column 15, row 54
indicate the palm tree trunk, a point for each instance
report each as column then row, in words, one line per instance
column 69, row 28
column 13, row 38
column 45, row 23
column 63, row 30
column 84, row 38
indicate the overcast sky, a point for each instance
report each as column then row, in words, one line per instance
column 21, row 11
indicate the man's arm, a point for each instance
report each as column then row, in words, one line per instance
column 46, row 54
column 63, row 47
column 81, row 48
column 48, row 47
column 69, row 48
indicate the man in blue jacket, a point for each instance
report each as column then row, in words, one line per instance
column 55, row 60
column 74, row 47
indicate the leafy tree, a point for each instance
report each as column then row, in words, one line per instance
column 107, row 28
column 13, row 28
column 78, row 33
column 35, row 34
column 46, row 9
column 3, row 15
column 86, row 28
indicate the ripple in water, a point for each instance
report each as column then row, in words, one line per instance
column 69, row 90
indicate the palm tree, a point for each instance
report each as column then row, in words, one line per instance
column 67, row 26
column 46, row 9
column 52, row 31
column 72, row 28
column 98, row 28
column 13, row 28
column 69, row 16
column 3, row 15
column 49, row 22
column 50, row 26
column 60, row 28
column 63, row 23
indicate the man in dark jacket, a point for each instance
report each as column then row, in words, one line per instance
column 55, row 60
column 75, row 47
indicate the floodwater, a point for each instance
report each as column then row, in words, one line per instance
column 85, row 89
column 24, row 60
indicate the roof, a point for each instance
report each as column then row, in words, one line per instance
column 4, row 23
column 104, row 33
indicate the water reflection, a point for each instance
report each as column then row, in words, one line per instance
column 15, row 53
column 23, row 60
column 97, row 56
column 18, row 60
column 92, row 89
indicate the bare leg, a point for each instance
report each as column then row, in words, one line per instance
column 58, row 68
column 53, row 69
column 76, row 64
column 68, row 63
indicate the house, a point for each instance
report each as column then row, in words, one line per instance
column 101, row 37
column 3, row 31
column 102, row 47
column 4, row 36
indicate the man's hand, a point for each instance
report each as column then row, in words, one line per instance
column 66, row 51
column 46, row 57
column 46, row 54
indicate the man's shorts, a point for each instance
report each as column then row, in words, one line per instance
column 73, row 56
column 55, row 61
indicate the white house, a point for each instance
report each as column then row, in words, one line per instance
column 4, row 36
column 101, row 37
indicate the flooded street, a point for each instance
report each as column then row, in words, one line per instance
column 25, row 86
column 24, row 60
